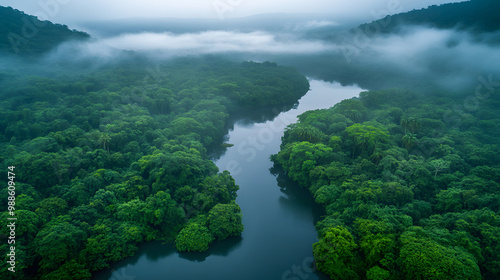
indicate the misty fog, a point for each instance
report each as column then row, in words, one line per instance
column 321, row 48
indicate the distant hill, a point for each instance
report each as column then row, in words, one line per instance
column 274, row 22
column 27, row 36
column 475, row 15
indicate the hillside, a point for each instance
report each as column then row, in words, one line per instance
column 476, row 15
column 27, row 36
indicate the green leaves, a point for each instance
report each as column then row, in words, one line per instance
column 58, row 243
column 301, row 157
column 71, row 270
column 366, row 137
column 393, row 181
column 440, row 165
column 225, row 220
column 336, row 254
column 193, row 238
column 410, row 124
column 423, row 258
column 378, row 244
column 299, row 133
column 352, row 109
column 409, row 141
column 377, row 273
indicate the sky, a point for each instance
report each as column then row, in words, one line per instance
column 75, row 12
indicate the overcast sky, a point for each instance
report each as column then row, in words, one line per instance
column 73, row 12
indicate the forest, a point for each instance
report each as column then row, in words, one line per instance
column 409, row 182
column 107, row 149
column 121, row 155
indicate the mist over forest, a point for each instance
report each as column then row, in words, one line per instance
column 112, row 129
column 450, row 55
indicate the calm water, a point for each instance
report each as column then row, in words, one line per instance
column 278, row 215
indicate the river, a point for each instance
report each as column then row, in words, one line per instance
column 278, row 215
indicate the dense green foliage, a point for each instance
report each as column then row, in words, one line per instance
column 26, row 35
column 478, row 15
column 410, row 184
column 222, row 221
column 119, row 156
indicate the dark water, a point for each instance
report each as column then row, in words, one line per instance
column 278, row 215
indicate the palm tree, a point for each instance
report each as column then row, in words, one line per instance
column 411, row 124
column 104, row 140
column 308, row 133
column 404, row 123
column 414, row 125
column 409, row 140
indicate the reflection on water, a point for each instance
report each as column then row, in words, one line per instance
column 218, row 248
column 297, row 200
column 278, row 215
column 248, row 118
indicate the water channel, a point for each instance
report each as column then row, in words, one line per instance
column 278, row 215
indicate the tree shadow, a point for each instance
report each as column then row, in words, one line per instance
column 297, row 199
column 217, row 248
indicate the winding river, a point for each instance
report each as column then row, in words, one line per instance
column 278, row 215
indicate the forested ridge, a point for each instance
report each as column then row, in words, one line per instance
column 410, row 184
column 118, row 155
column 26, row 35
column 474, row 15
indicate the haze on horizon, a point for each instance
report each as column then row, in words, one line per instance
column 452, row 58
column 73, row 13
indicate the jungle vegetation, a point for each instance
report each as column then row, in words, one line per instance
column 410, row 183
column 120, row 155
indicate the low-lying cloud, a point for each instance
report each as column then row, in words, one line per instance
column 453, row 57
column 450, row 58
column 318, row 24
column 212, row 42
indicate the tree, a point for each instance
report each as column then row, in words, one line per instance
column 366, row 137
column 225, row 220
column 414, row 125
column 440, row 165
column 57, row 244
column 71, row 270
column 336, row 254
column 378, row 243
column 304, row 132
column 299, row 158
column 410, row 124
column 184, row 125
column 220, row 188
column 104, row 140
column 50, row 208
column 162, row 212
column 43, row 170
column 194, row 237
column 423, row 258
column 352, row 109
column 377, row 273
column 409, row 141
